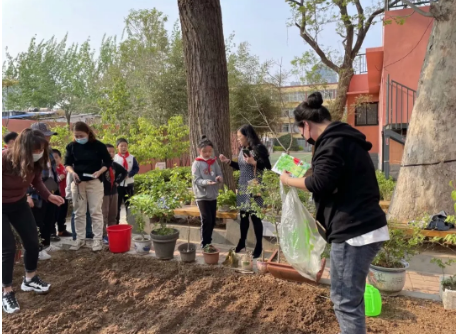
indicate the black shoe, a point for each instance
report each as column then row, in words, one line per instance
column 35, row 284
column 10, row 304
column 54, row 237
column 257, row 251
column 240, row 246
column 65, row 234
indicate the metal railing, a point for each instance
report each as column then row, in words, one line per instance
column 399, row 104
column 360, row 64
column 402, row 5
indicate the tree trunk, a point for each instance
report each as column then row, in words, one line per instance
column 338, row 107
column 207, row 77
column 429, row 160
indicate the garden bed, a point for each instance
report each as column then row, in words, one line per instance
column 107, row 293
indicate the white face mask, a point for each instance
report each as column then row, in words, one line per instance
column 37, row 156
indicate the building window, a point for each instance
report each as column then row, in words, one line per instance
column 285, row 127
column 366, row 114
column 287, row 113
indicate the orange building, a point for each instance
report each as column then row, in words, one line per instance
column 383, row 91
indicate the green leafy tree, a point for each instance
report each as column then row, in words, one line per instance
column 251, row 89
column 351, row 21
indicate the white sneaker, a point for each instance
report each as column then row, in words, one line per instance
column 77, row 244
column 53, row 248
column 43, row 255
column 10, row 304
column 97, row 245
column 35, row 284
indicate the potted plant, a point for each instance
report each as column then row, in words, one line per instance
column 158, row 203
column 211, row 254
column 226, row 199
column 447, row 289
column 142, row 242
column 388, row 270
column 187, row 251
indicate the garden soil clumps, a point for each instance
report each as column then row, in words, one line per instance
column 111, row 293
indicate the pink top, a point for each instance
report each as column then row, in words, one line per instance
column 14, row 187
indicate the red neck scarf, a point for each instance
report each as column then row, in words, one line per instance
column 111, row 176
column 124, row 157
column 209, row 162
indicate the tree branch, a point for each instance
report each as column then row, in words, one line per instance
column 313, row 44
column 417, row 9
column 362, row 34
column 348, row 27
column 299, row 3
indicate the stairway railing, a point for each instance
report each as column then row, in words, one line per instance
column 399, row 104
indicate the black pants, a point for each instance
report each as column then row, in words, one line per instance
column 45, row 219
column 208, row 211
column 257, row 227
column 61, row 215
column 21, row 218
column 124, row 194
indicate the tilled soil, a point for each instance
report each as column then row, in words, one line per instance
column 110, row 293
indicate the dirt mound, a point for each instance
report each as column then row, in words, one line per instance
column 108, row 293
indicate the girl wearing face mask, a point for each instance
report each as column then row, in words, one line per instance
column 252, row 161
column 207, row 176
column 87, row 159
column 347, row 196
column 22, row 166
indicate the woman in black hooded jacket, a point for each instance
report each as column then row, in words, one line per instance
column 346, row 193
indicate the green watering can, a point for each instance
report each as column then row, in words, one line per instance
column 372, row 301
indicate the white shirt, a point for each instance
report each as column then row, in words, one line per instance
column 378, row 235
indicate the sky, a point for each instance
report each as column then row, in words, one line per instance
column 262, row 23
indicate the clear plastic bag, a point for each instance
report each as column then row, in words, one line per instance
column 300, row 241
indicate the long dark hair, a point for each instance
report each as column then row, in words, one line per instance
column 83, row 127
column 21, row 155
column 312, row 110
column 249, row 132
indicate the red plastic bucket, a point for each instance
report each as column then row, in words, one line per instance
column 119, row 237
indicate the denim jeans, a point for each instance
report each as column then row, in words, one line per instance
column 89, row 233
column 349, row 270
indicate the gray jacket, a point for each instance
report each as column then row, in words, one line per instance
column 201, row 176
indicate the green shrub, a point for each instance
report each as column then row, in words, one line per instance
column 278, row 149
column 236, row 175
column 301, row 148
column 144, row 182
column 285, row 140
column 386, row 186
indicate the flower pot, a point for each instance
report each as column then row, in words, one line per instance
column 287, row 272
column 224, row 208
column 390, row 281
column 262, row 267
column 187, row 252
column 164, row 245
column 211, row 258
column 142, row 246
column 448, row 296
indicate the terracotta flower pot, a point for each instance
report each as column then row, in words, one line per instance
column 287, row 272
column 211, row 258
column 262, row 267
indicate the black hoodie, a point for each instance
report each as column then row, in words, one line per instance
column 344, row 184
